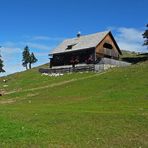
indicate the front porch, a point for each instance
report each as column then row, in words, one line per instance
column 73, row 58
column 101, row 65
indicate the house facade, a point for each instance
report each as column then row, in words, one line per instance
column 87, row 49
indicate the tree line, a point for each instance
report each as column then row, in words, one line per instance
column 29, row 58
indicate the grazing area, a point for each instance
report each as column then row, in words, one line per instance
column 108, row 109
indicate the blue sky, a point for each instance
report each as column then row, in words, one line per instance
column 43, row 24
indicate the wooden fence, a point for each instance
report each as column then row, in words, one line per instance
column 68, row 69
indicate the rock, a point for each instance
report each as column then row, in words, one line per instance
column 5, row 85
column 4, row 80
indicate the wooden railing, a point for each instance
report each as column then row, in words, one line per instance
column 68, row 69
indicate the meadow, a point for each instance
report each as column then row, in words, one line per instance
column 108, row 109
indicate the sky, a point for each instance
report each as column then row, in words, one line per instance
column 43, row 24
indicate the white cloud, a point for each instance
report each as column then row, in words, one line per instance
column 10, row 50
column 129, row 39
column 12, row 55
column 130, row 34
column 12, row 68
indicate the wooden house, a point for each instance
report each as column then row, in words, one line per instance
column 87, row 49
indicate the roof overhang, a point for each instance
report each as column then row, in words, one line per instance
column 71, row 51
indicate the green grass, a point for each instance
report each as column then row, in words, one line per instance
column 89, row 110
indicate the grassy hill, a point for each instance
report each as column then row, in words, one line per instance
column 107, row 109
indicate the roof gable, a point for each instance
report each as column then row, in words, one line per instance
column 114, row 41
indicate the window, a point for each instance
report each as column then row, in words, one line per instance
column 70, row 46
column 108, row 46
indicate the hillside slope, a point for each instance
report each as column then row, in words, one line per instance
column 76, row 110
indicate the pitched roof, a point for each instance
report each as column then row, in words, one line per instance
column 78, row 43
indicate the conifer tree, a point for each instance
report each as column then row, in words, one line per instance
column 145, row 36
column 1, row 65
column 28, row 59
column 32, row 59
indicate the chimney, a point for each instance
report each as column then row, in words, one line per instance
column 78, row 34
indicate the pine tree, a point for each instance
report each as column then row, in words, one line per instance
column 145, row 35
column 26, row 57
column 32, row 59
column 1, row 65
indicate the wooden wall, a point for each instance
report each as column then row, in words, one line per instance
column 101, row 51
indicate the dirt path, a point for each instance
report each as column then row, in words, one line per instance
column 55, row 84
column 9, row 101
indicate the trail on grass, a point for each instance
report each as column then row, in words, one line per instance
column 7, row 101
column 54, row 84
